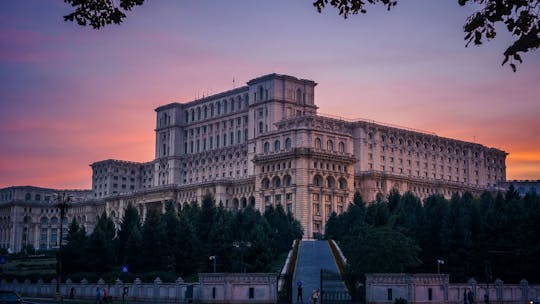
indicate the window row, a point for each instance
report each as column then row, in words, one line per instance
column 277, row 145
column 330, row 182
column 329, row 145
column 218, row 108
column 216, row 142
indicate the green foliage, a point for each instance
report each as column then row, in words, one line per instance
column 180, row 242
column 100, row 246
column 76, row 240
column 380, row 249
column 466, row 232
column 130, row 221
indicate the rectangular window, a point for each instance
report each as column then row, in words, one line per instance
column 251, row 292
column 430, row 294
column 389, row 294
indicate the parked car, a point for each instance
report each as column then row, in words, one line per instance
column 11, row 297
column 537, row 301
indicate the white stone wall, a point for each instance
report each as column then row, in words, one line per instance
column 416, row 288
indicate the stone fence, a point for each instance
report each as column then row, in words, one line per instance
column 212, row 288
column 436, row 288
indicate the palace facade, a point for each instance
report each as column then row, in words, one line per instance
column 264, row 144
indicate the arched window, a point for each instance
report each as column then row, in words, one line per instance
column 186, row 117
column 370, row 135
column 38, row 197
column 212, row 110
column 287, row 180
column 198, row 113
column 205, row 110
column 232, row 104
column 287, row 144
column 331, row 182
column 218, row 107
column 28, row 196
column 192, row 115
column 341, row 147
column 330, row 145
column 342, row 184
column 265, row 184
column 277, row 146
column 299, row 95
column 44, row 221
column 266, row 147
column 224, row 106
column 276, row 182
column 261, row 127
column 318, row 143
column 54, row 220
column 317, row 180
column 260, row 93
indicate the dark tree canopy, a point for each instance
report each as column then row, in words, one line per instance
column 98, row 13
column 520, row 18
column 466, row 232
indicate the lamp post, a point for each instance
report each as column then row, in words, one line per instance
column 213, row 258
column 63, row 203
column 240, row 245
column 439, row 263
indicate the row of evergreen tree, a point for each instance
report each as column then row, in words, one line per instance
column 182, row 241
column 490, row 236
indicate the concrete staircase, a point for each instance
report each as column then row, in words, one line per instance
column 314, row 256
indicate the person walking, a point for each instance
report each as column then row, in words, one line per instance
column 299, row 294
column 470, row 297
column 99, row 296
column 315, row 296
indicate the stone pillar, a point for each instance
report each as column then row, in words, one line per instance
column 499, row 285
column 474, row 286
column 524, row 285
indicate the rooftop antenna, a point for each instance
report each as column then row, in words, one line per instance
column 233, row 86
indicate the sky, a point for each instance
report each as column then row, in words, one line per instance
column 71, row 96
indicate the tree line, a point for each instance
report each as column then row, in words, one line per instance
column 182, row 241
column 486, row 237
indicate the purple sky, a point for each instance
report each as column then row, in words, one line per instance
column 71, row 96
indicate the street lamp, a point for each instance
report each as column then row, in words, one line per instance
column 240, row 245
column 213, row 258
column 439, row 263
column 63, row 203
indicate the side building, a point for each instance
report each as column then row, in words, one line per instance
column 264, row 144
column 30, row 219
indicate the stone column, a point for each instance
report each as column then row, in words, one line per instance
column 524, row 285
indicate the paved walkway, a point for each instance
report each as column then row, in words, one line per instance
column 312, row 257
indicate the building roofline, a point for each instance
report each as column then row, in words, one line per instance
column 202, row 100
column 281, row 77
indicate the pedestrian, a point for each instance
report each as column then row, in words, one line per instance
column 315, row 296
column 470, row 297
column 105, row 296
column 99, row 296
column 465, row 297
column 299, row 296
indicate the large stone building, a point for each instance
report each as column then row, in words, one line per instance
column 264, row 144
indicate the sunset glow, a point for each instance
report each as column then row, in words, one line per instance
column 71, row 96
